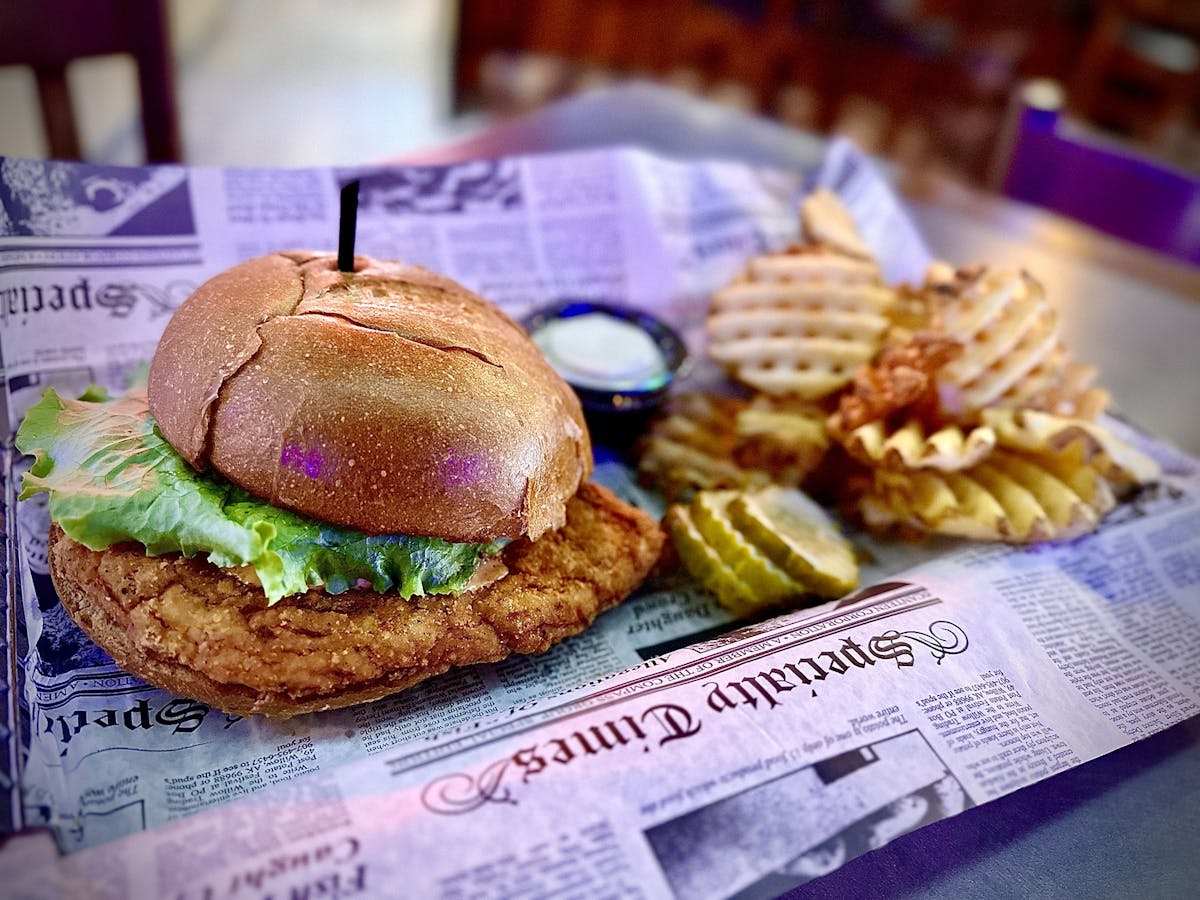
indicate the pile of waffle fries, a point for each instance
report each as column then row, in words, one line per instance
column 950, row 407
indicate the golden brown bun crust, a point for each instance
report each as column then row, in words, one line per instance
column 391, row 400
column 189, row 627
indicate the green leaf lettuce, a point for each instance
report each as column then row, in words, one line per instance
column 112, row 477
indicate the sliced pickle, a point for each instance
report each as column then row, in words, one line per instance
column 768, row 583
column 799, row 537
column 706, row 565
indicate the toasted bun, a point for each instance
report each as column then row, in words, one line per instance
column 194, row 629
column 390, row 399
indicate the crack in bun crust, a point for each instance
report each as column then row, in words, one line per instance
column 189, row 627
column 355, row 397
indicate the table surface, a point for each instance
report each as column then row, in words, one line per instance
column 1126, row 824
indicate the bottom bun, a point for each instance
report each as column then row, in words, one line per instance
column 187, row 626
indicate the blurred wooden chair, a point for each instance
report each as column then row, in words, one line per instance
column 1110, row 185
column 934, row 83
column 621, row 37
column 1138, row 73
column 47, row 35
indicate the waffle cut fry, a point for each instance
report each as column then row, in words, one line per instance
column 800, row 322
column 1012, row 356
column 1049, row 478
column 706, row 442
column 690, row 447
column 827, row 223
column 1011, row 496
column 785, row 438
column 912, row 446
column 1073, row 442
column 890, row 417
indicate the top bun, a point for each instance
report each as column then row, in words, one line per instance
column 390, row 399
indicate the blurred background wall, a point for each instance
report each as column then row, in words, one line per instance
column 925, row 82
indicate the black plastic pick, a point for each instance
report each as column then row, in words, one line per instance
column 347, row 226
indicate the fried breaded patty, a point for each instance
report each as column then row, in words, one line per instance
column 194, row 629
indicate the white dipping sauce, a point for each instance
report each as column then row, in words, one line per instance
column 603, row 352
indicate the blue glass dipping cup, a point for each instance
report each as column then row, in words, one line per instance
column 616, row 416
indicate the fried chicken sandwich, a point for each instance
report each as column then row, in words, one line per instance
column 335, row 485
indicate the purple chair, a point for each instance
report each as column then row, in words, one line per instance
column 1101, row 183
